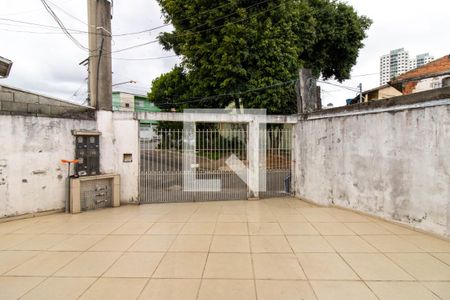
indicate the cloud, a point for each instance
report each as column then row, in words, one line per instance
column 49, row 63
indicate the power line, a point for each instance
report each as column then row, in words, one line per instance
column 363, row 75
column 28, row 11
column 195, row 100
column 165, row 25
column 340, row 85
column 62, row 26
column 201, row 31
column 67, row 13
column 144, row 58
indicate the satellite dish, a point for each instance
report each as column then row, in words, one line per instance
column 5, row 67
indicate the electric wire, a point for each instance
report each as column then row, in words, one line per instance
column 238, row 93
column 62, row 26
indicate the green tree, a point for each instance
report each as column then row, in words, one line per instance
column 231, row 46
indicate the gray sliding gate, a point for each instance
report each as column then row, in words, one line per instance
column 161, row 164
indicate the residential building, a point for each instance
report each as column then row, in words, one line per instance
column 123, row 101
column 420, row 60
column 435, row 74
column 393, row 64
column 397, row 62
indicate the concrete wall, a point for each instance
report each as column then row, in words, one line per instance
column 120, row 136
column 17, row 101
column 390, row 162
column 32, row 179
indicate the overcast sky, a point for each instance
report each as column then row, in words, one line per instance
column 47, row 62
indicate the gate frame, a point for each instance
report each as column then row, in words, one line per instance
column 253, row 122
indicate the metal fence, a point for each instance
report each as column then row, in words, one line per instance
column 162, row 173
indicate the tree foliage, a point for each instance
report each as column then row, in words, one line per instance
column 236, row 48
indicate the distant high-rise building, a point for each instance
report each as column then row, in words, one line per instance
column 397, row 62
column 420, row 60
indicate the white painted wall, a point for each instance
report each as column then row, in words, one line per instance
column 395, row 165
column 32, row 179
column 120, row 136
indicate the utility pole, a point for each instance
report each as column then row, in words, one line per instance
column 100, row 66
column 360, row 93
column 307, row 98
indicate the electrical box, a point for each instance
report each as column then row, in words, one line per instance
column 94, row 192
column 87, row 152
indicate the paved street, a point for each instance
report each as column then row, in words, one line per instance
column 268, row 249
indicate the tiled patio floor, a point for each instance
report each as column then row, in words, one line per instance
column 268, row 249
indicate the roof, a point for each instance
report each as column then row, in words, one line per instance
column 437, row 67
column 377, row 88
column 48, row 99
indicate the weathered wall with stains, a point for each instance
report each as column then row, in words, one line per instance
column 32, row 179
column 389, row 162
column 120, row 136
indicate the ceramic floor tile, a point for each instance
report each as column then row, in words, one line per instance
column 181, row 265
column 401, row 291
column 269, row 244
column 305, row 243
column 367, row 228
column 391, row 243
column 291, row 218
column 441, row 289
column 40, row 242
column 12, row 259
column 428, row 243
column 261, row 218
column 135, row 265
column 348, row 216
column 59, row 288
column 165, row 228
column 333, row 229
column 265, row 229
column 233, row 218
column 315, row 215
column 198, row 228
column 231, row 229
column 349, row 244
column 44, row 264
column 342, row 290
column 68, row 228
column 227, row 289
column 373, row 266
column 284, row 289
column 397, row 229
column 115, row 288
column 230, row 243
column 11, row 240
column 100, row 228
column 115, row 243
column 277, row 266
column 12, row 288
column 78, row 243
column 229, row 266
column 171, row 289
column 153, row 243
column 177, row 218
column 204, row 217
column 421, row 265
column 191, row 243
column 325, row 266
column 133, row 228
column 89, row 264
column 444, row 257
column 298, row 229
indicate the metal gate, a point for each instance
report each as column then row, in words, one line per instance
column 278, row 162
column 162, row 173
